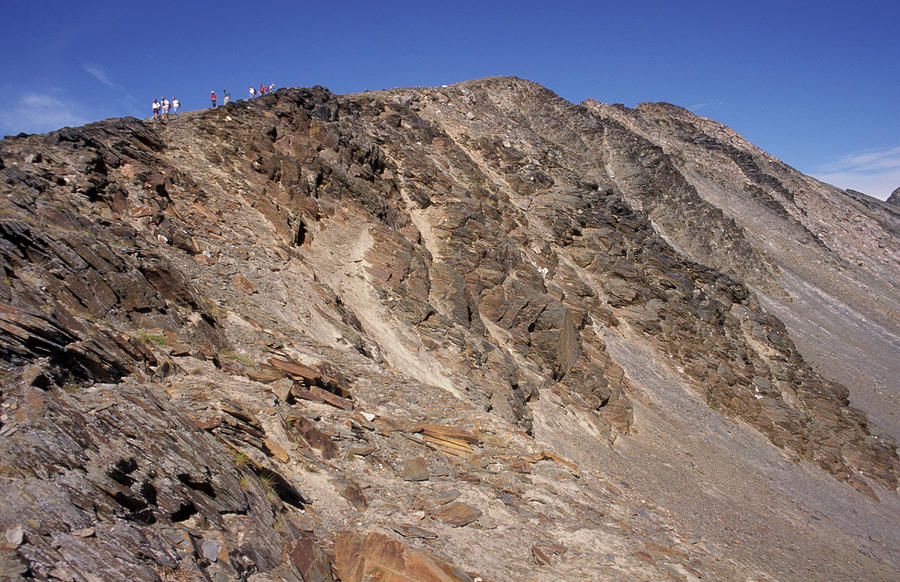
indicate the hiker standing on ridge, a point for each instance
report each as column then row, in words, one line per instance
column 176, row 105
column 165, row 108
column 227, row 96
column 155, row 108
column 252, row 92
column 212, row 98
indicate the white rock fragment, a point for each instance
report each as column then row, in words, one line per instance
column 15, row 535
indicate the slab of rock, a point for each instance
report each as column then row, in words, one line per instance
column 316, row 394
column 412, row 531
column 277, row 450
column 310, row 559
column 414, row 470
column 449, row 440
column 445, row 432
column 358, row 558
column 265, row 376
column 300, row 372
column 457, row 514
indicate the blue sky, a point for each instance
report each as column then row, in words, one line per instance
column 816, row 84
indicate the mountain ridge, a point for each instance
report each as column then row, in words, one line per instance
column 837, row 265
column 304, row 283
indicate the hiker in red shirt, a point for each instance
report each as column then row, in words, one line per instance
column 212, row 97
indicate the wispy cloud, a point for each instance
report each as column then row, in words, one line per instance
column 100, row 73
column 39, row 112
column 711, row 105
column 873, row 172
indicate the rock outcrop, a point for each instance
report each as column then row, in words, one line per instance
column 894, row 198
column 429, row 334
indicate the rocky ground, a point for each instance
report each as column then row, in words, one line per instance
column 430, row 334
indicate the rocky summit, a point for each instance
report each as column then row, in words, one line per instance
column 466, row 333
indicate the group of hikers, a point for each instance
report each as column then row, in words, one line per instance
column 263, row 90
column 162, row 106
column 225, row 95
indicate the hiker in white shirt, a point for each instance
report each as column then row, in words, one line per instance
column 176, row 105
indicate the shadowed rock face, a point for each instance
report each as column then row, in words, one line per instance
column 228, row 337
